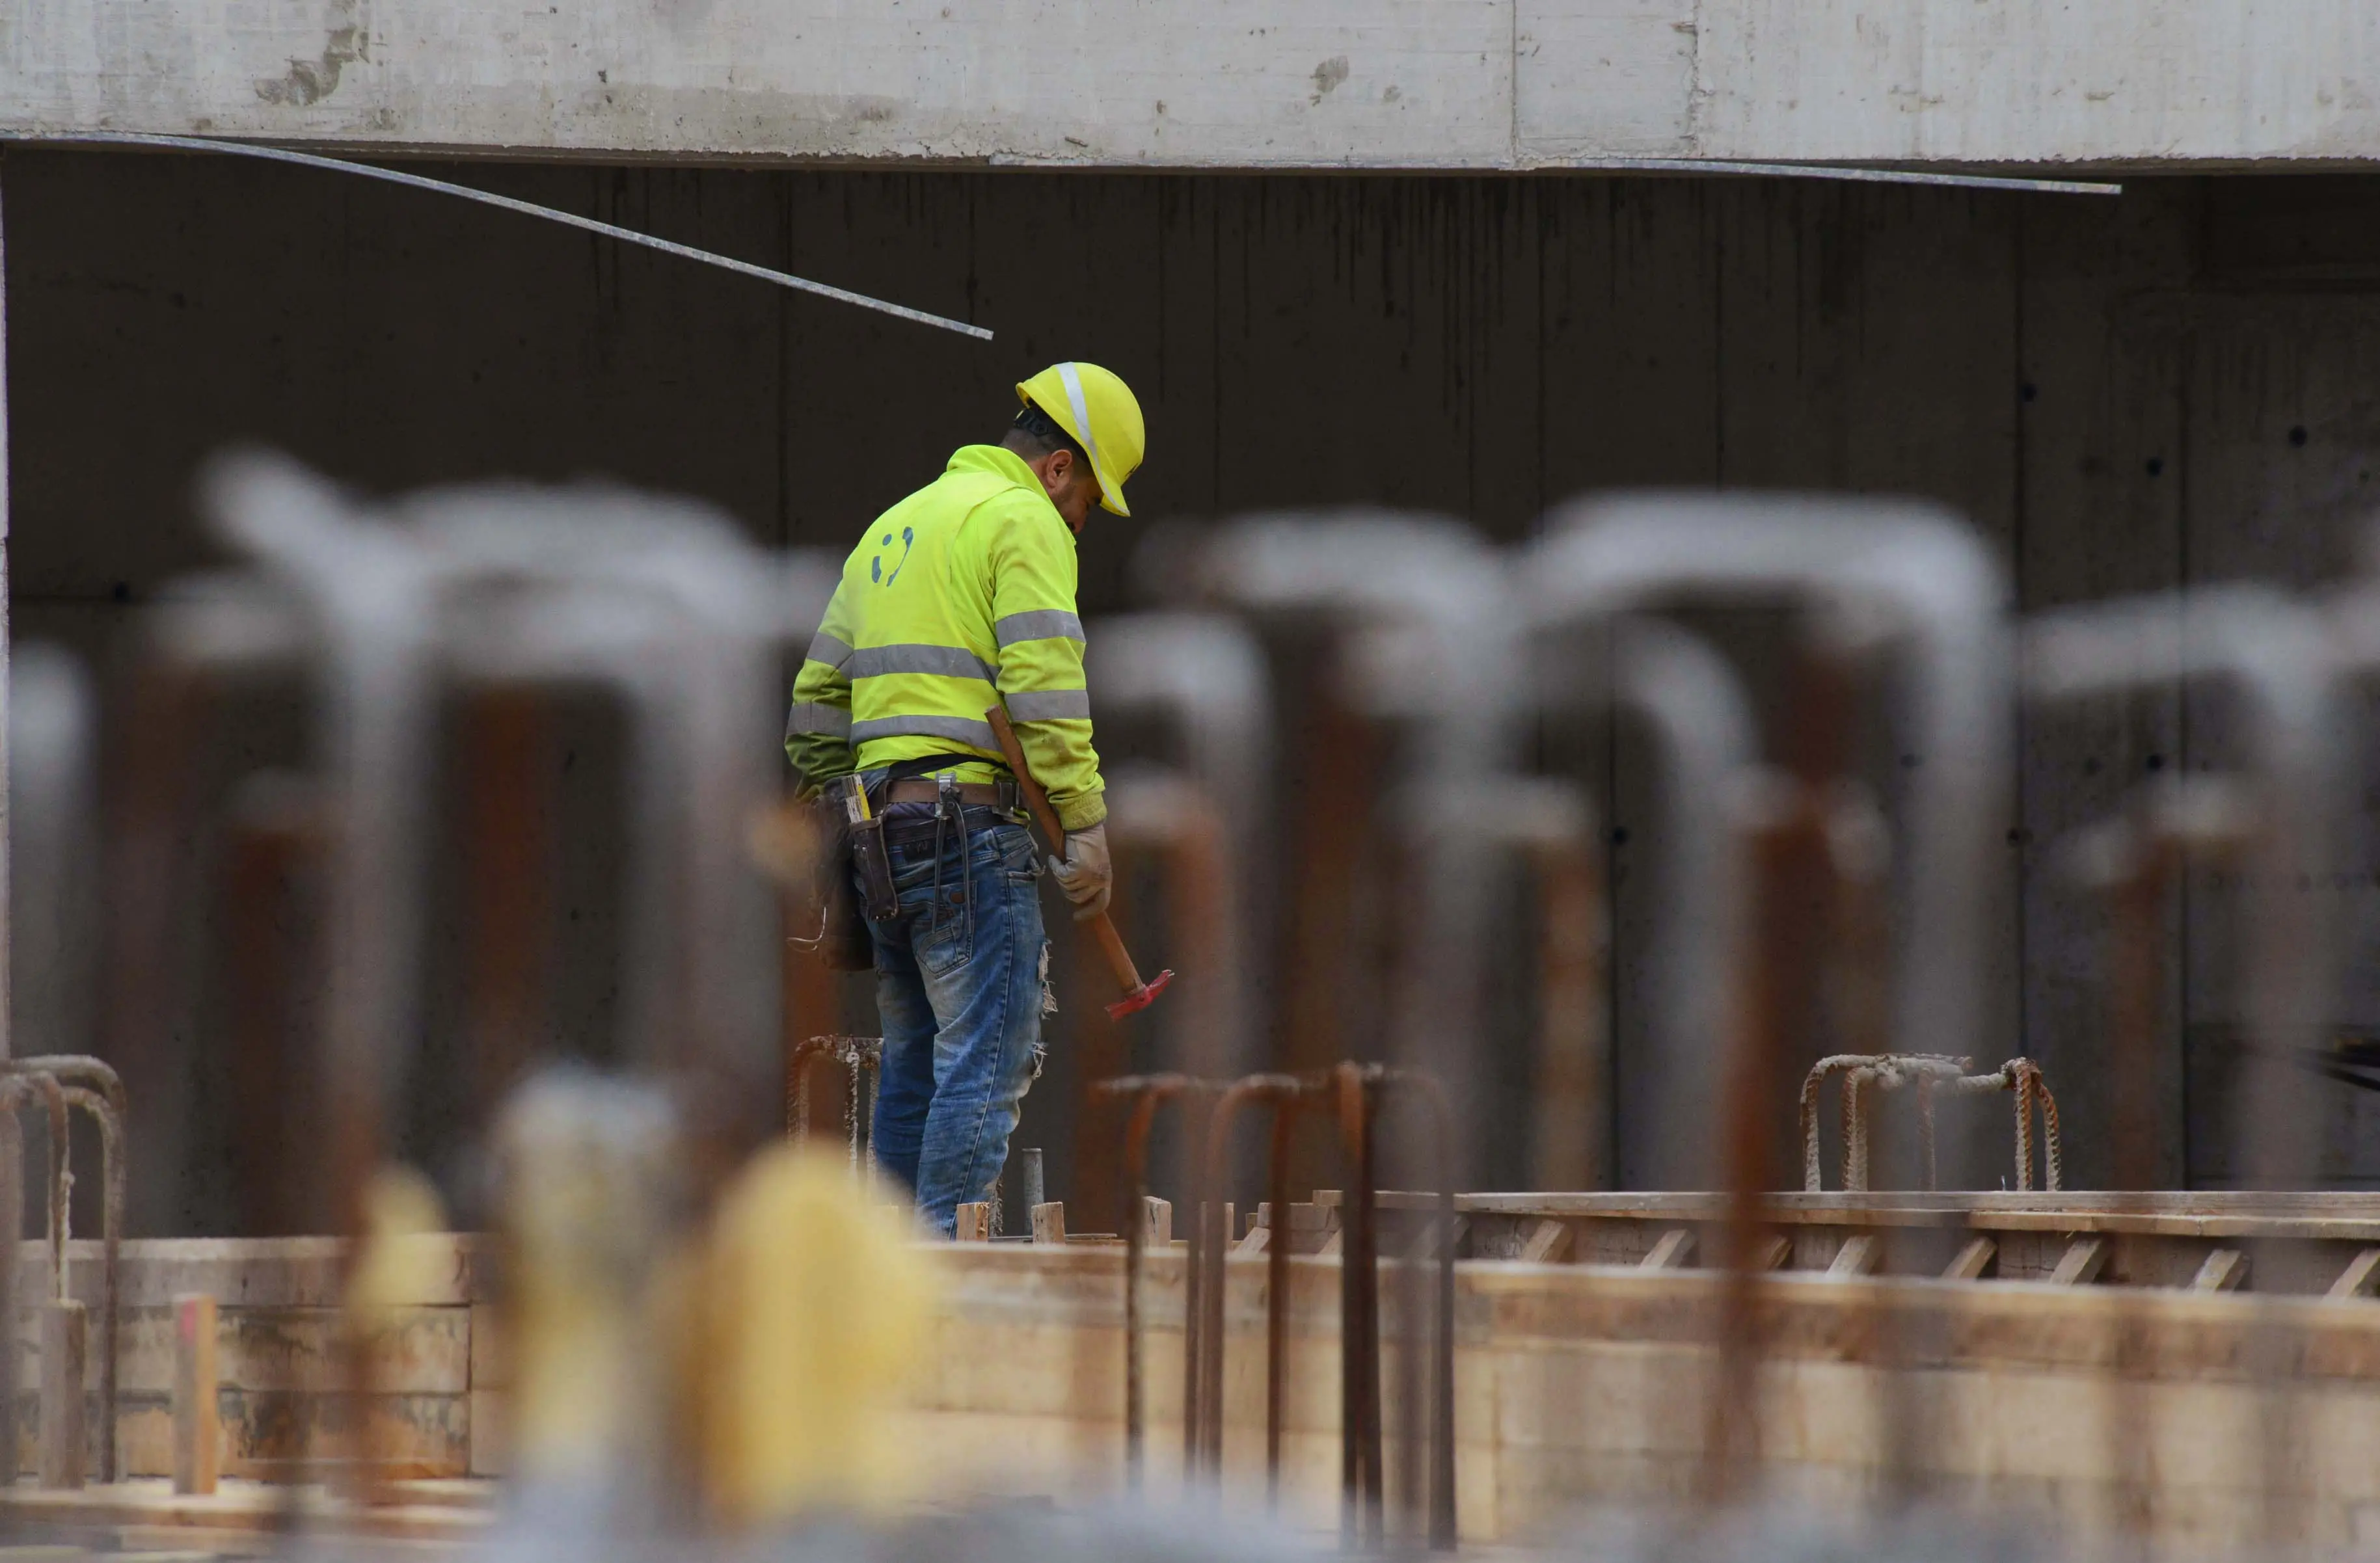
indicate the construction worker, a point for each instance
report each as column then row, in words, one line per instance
column 961, row 594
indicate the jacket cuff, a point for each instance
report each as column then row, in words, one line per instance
column 1082, row 813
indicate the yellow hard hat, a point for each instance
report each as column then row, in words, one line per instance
column 1098, row 410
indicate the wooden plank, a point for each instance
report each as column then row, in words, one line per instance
column 301, row 1272
column 419, row 1351
column 485, row 1365
column 1676, row 1246
column 2347, row 1216
column 2081, row 1263
column 1157, row 1222
column 1254, row 1242
column 198, row 1427
column 2359, row 1278
column 1425, row 1244
column 1771, row 1252
column 1971, row 1260
column 1860, row 1255
column 2226, row 1270
column 487, row 1426
column 973, row 1223
column 414, row 1437
column 60, row 1458
column 1546, row 1243
column 2186, row 1339
column 1050, row 1222
column 1303, row 1217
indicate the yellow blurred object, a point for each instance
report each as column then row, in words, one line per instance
column 1099, row 409
column 816, row 1310
column 404, row 1257
column 593, row 1230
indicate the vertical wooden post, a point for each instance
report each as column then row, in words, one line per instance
column 974, row 1223
column 60, row 1459
column 198, row 1432
column 1049, row 1221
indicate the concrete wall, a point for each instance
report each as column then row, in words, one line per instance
column 1458, row 84
column 2124, row 394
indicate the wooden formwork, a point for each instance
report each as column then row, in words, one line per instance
column 2201, row 1414
column 2086, row 1407
column 2303, row 1244
column 277, row 1341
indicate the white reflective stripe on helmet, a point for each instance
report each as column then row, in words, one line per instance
column 1083, row 426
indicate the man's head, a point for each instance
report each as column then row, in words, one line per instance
column 1065, row 472
column 1081, row 432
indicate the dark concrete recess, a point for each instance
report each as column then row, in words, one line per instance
column 2125, row 394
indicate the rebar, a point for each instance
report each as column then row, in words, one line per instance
column 1866, row 1076
column 93, row 1085
column 1146, row 1093
column 862, row 1056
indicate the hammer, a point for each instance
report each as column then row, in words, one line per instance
column 1138, row 995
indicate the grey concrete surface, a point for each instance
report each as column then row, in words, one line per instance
column 2124, row 394
column 1457, row 84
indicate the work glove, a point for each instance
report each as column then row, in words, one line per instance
column 1085, row 873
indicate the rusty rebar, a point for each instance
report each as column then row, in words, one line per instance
column 862, row 1056
column 1440, row 1516
column 1362, row 1512
column 1145, row 1093
column 1285, row 1092
column 94, row 1085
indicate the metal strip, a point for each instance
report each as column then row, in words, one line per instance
column 1038, row 623
column 525, row 208
column 1822, row 171
column 1846, row 172
column 8, row 1040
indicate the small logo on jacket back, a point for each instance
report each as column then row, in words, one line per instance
column 876, row 566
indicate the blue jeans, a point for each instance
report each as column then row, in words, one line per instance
column 959, row 985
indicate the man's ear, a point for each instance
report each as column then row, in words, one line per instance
column 1060, row 470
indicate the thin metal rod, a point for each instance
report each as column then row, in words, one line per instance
column 1824, row 170
column 1276, row 1242
column 525, row 208
column 7, row 922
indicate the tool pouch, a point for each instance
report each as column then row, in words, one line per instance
column 878, row 900
column 843, row 943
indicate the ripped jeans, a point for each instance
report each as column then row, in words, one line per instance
column 959, row 985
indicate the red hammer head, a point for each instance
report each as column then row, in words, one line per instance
column 1142, row 997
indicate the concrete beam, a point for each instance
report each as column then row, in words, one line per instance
column 1477, row 85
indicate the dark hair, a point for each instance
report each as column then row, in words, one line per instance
column 1044, row 433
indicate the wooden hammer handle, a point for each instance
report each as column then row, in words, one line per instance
column 1110, row 943
column 1035, row 798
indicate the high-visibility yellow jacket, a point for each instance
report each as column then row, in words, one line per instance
column 961, row 594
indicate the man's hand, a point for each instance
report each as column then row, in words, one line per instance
column 1085, row 873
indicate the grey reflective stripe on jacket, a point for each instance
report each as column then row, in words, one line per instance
column 1049, row 705
column 1042, row 624
column 950, row 661
column 826, row 649
column 811, row 716
column 962, row 729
